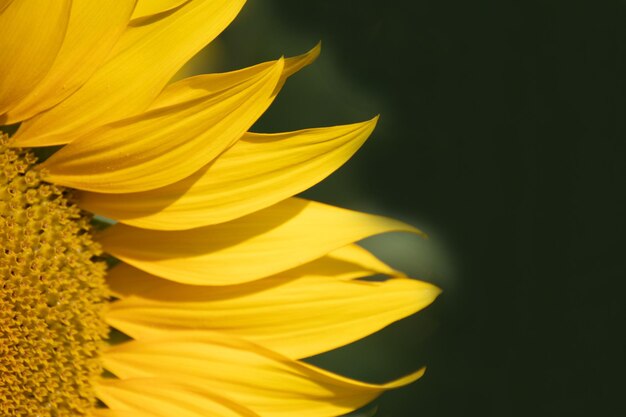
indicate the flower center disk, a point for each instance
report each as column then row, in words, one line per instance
column 52, row 296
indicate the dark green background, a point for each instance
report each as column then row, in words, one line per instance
column 502, row 136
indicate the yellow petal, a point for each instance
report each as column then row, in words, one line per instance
column 4, row 4
column 151, row 7
column 198, row 86
column 268, row 383
column 158, row 397
column 295, row 64
column 93, row 29
column 272, row 240
column 345, row 263
column 147, row 55
column 258, row 171
column 107, row 412
column 299, row 313
column 164, row 145
column 31, row 33
column 366, row 261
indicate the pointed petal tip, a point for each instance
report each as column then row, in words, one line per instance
column 405, row 380
column 426, row 289
column 296, row 63
column 372, row 122
column 315, row 51
column 405, row 227
column 437, row 291
column 277, row 66
column 430, row 292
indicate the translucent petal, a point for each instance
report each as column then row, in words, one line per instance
column 147, row 55
column 268, row 383
column 164, row 145
column 258, row 171
column 272, row 240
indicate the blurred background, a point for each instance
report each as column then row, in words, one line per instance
column 502, row 136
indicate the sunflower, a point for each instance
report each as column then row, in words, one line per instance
column 222, row 280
